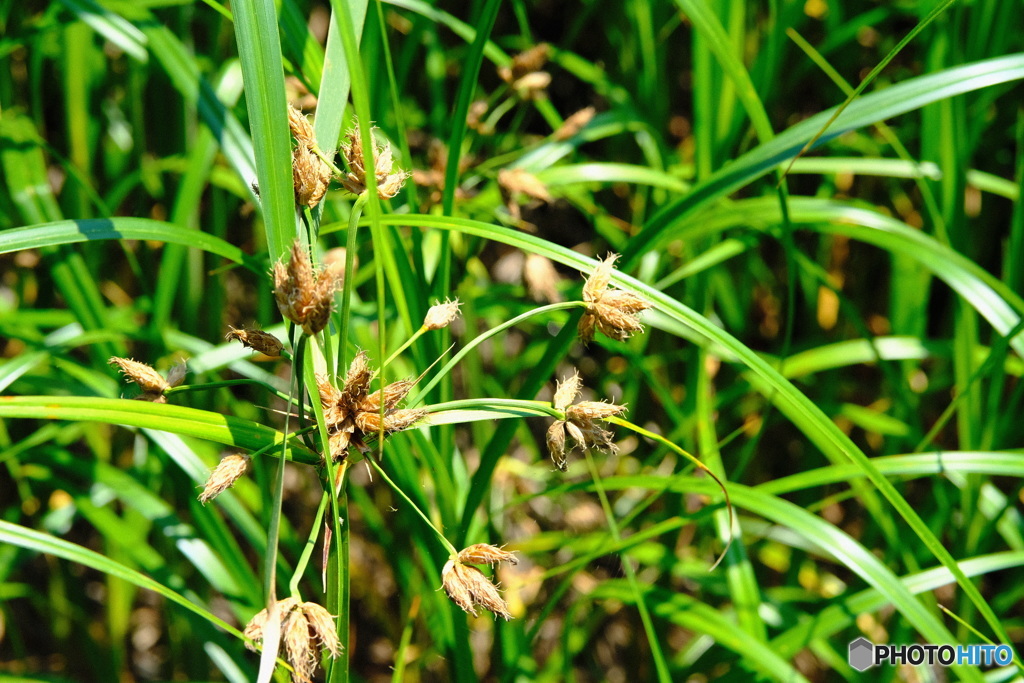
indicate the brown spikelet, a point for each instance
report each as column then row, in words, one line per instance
column 580, row 423
column 574, row 124
column 311, row 175
column 148, row 379
column 613, row 312
column 567, row 390
column 541, row 278
column 468, row 588
column 228, row 471
column 526, row 62
column 515, row 180
column 257, row 340
column 306, row 630
column 485, row 553
column 303, row 295
column 556, row 444
column 322, row 624
column 592, row 410
column 441, row 315
column 389, row 180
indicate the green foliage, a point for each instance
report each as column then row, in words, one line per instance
column 820, row 200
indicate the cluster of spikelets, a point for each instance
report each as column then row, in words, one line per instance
column 305, row 296
column 611, row 311
column 306, row 629
column 312, row 171
column 353, row 413
column 579, row 423
column 468, row 587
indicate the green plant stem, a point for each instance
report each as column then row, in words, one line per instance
column 652, row 637
column 451, row 549
column 307, row 550
column 231, row 383
column 487, row 335
column 659, row 438
column 348, row 284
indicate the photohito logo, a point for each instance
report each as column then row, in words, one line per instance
column 864, row 654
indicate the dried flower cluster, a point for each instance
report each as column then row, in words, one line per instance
column 613, row 312
column 389, row 181
column 574, row 124
column 441, row 315
column 353, row 413
column 229, row 470
column 151, row 382
column 257, row 340
column 525, row 75
column 306, row 630
column 303, row 295
column 468, row 587
column 310, row 173
column 579, row 423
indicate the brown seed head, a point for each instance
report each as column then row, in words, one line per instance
column 306, row 630
column 484, row 553
column 517, row 180
column 468, row 588
column 613, row 312
column 541, row 278
column 224, row 475
column 525, row 62
column 575, row 123
column 303, row 295
column 533, row 86
column 441, row 315
column 257, row 340
column 389, row 180
column 311, row 175
column 148, row 379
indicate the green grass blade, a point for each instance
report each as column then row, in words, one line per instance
column 259, row 49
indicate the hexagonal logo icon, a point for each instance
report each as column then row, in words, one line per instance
column 862, row 654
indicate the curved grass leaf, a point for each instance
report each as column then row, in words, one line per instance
column 801, row 411
column 203, row 424
column 72, row 231
column 893, row 101
column 31, row 539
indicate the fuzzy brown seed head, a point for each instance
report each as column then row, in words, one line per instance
column 306, row 630
column 517, row 180
column 574, row 124
column 311, row 175
column 484, row 553
column 389, row 180
column 257, row 340
column 303, row 295
column 357, row 381
column 441, row 315
column 613, row 312
column 393, row 394
column 567, row 390
column 541, row 278
column 148, row 379
column 468, row 588
column 224, row 475
column 526, row 62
